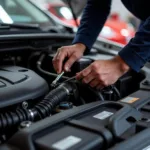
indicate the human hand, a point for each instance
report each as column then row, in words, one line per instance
column 102, row 73
column 72, row 52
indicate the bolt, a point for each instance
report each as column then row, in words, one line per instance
column 25, row 105
column 25, row 124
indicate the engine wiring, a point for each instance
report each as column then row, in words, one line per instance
column 39, row 64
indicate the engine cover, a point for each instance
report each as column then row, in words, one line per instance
column 19, row 84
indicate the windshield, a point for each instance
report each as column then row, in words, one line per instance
column 63, row 11
column 21, row 11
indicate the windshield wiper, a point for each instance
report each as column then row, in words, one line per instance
column 19, row 25
column 73, row 13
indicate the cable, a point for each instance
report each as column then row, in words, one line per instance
column 82, row 100
column 35, row 54
column 98, row 94
column 69, row 79
column 116, row 91
column 39, row 64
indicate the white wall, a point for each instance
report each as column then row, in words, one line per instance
column 117, row 6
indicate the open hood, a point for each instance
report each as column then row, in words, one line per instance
column 77, row 5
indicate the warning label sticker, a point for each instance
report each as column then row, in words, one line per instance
column 147, row 148
column 66, row 143
column 103, row 115
column 129, row 99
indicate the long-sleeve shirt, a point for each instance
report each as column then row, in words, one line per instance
column 137, row 52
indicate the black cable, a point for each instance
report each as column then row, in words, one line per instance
column 116, row 91
column 82, row 100
column 35, row 54
column 97, row 93
column 39, row 64
column 100, row 96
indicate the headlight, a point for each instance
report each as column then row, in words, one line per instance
column 125, row 32
column 107, row 32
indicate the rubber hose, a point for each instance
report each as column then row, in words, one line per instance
column 10, row 119
column 40, row 111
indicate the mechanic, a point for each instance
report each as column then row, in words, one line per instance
column 133, row 56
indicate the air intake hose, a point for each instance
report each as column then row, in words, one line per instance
column 39, row 111
column 56, row 96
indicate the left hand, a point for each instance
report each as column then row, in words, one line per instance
column 102, row 73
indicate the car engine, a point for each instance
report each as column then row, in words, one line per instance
column 26, row 92
column 20, row 84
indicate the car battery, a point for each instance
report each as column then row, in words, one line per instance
column 92, row 126
column 140, row 141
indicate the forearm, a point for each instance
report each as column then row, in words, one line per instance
column 93, row 19
column 137, row 52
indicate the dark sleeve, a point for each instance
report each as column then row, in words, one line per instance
column 137, row 52
column 93, row 19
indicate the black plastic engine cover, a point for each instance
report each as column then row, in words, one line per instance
column 94, row 126
column 19, row 84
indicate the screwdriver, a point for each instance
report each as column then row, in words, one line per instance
column 57, row 79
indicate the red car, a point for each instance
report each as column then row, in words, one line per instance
column 117, row 30
column 114, row 29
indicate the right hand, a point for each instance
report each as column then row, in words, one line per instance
column 72, row 53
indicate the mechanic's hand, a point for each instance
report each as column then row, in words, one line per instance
column 72, row 53
column 102, row 73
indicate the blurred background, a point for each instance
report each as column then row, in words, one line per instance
column 120, row 26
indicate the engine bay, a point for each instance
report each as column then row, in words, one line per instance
column 26, row 74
